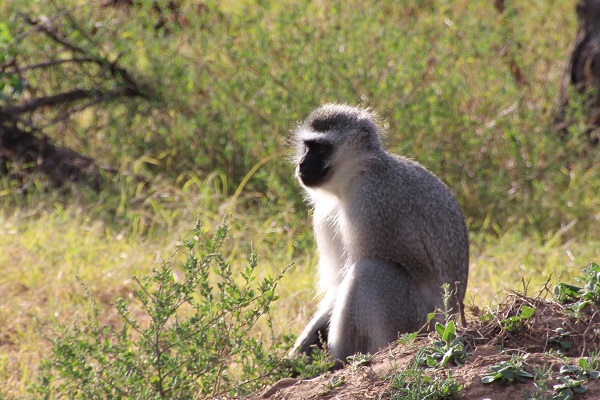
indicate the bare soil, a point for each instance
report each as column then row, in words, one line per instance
column 488, row 342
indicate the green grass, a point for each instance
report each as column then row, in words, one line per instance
column 226, row 85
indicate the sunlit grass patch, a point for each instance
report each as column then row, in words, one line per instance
column 513, row 261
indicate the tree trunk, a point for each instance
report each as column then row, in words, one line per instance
column 583, row 73
column 59, row 164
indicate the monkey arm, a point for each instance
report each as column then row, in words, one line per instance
column 315, row 333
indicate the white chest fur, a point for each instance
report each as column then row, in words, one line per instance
column 329, row 223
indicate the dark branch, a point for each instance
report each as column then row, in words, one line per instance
column 10, row 112
column 53, row 63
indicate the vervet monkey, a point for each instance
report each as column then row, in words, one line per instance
column 389, row 234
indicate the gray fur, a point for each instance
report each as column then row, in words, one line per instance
column 389, row 234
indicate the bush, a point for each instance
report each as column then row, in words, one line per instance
column 185, row 334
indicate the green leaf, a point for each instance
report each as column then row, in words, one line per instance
column 430, row 316
column 431, row 362
column 565, row 344
column 449, row 332
column 439, row 328
column 490, row 378
column 593, row 374
column 564, row 395
column 527, row 312
column 525, row 374
column 580, row 389
column 565, row 292
column 507, row 373
column 446, row 358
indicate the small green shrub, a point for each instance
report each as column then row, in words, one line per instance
column 570, row 382
column 360, row 360
column 590, row 365
column 188, row 337
column 573, row 377
column 450, row 348
column 566, row 389
column 581, row 296
column 584, row 370
column 512, row 324
column 416, row 383
column 508, row 371
column 319, row 363
column 560, row 337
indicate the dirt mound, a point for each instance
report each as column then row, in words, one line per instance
column 544, row 339
column 552, row 326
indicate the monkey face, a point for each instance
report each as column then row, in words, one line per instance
column 333, row 146
column 314, row 167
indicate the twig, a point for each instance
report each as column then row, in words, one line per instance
column 52, row 63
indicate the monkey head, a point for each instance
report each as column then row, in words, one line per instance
column 334, row 141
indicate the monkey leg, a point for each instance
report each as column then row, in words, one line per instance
column 375, row 302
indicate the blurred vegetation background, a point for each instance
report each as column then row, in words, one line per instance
column 181, row 110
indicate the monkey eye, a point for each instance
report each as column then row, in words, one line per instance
column 320, row 147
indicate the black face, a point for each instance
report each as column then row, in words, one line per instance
column 313, row 168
